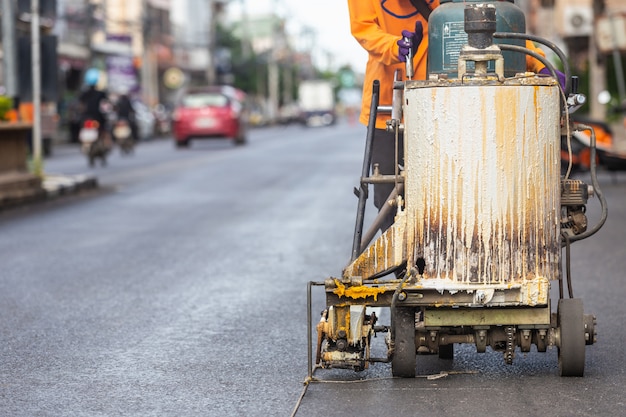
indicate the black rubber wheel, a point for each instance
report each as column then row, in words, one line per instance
column 241, row 139
column 404, row 358
column 572, row 337
column 446, row 351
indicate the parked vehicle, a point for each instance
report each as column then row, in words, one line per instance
column 316, row 100
column 163, row 120
column 289, row 113
column 145, row 120
column 210, row 112
column 95, row 143
column 608, row 156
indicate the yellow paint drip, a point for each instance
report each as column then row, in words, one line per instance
column 360, row 291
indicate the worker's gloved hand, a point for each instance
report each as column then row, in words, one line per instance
column 559, row 75
column 410, row 41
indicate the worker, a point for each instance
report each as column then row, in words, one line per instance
column 388, row 30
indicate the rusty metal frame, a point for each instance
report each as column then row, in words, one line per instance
column 381, row 295
column 309, row 305
column 488, row 317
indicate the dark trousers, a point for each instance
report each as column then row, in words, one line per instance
column 384, row 154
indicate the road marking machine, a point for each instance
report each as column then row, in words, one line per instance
column 484, row 215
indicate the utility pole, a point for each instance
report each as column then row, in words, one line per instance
column 245, row 32
column 146, row 30
column 273, row 74
column 597, row 69
column 36, row 62
column 210, row 70
column 8, row 43
column 617, row 61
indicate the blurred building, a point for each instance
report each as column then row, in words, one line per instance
column 592, row 33
column 267, row 37
column 73, row 48
column 157, row 53
column 194, row 34
column 128, row 41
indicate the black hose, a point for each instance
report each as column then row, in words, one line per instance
column 596, row 188
column 551, row 45
column 542, row 59
column 568, row 268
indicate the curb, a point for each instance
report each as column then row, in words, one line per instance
column 52, row 186
column 57, row 185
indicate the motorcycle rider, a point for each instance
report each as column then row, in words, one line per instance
column 93, row 101
column 93, row 105
column 124, row 110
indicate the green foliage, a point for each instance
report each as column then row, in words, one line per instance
column 249, row 71
column 6, row 104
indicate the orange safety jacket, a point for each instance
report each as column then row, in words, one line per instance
column 377, row 25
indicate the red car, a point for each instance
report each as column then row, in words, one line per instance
column 210, row 112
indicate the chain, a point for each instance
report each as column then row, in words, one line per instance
column 509, row 354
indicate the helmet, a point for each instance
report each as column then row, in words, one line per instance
column 91, row 76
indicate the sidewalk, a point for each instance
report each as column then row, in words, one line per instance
column 53, row 186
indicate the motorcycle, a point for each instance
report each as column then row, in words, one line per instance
column 576, row 155
column 122, row 133
column 94, row 143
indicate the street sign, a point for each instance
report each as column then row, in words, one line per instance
column 173, row 78
column 347, row 79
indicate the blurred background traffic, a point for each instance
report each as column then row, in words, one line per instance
column 155, row 49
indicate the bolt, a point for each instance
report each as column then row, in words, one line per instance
column 402, row 296
column 342, row 345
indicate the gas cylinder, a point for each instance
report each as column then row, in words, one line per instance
column 446, row 36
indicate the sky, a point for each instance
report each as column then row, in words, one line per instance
column 327, row 18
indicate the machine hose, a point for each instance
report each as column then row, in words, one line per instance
column 545, row 42
column 543, row 60
column 596, row 187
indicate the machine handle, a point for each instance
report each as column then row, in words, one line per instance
column 409, row 61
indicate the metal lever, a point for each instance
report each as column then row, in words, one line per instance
column 409, row 61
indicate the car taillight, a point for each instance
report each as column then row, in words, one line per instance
column 91, row 124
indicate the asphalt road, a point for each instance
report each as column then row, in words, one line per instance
column 178, row 288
